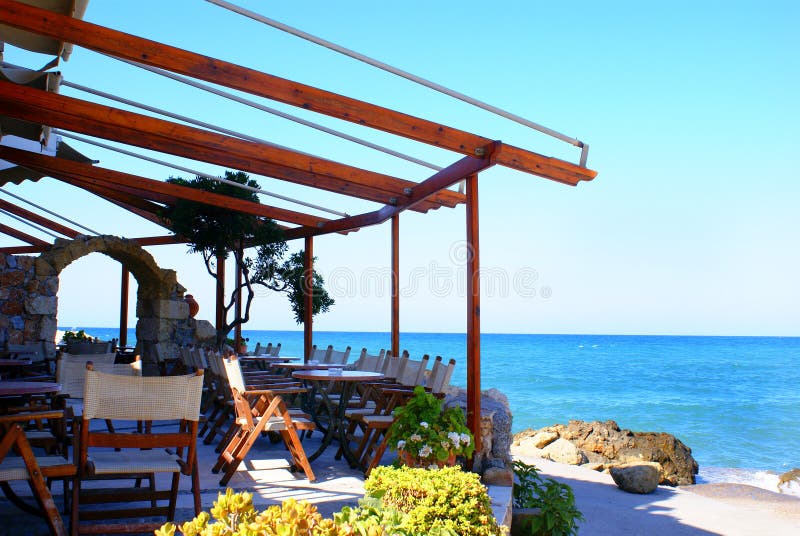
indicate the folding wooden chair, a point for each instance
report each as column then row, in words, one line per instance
column 336, row 357
column 370, row 363
column 258, row 411
column 36, row 470
column 132, row 398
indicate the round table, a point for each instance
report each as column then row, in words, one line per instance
column 322, row 380
column 307, row 366
column 263, row 361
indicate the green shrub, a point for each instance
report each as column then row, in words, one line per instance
column 555, row 500
column 441, row 502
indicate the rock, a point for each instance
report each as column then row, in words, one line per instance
column 563, row 451
column 496, row 476
column 637, row 477
column 606, row 443
column 526, row 447
column 542, row 439
column 594, row 466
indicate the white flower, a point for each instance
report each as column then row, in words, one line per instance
column 401, row 444
column 425, row 451
column 454, row 438
column 466, row 439
column 433, row 466
column 446, row 445
column 415, row 437
column 424, row 424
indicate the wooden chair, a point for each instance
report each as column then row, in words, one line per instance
column 258, row 411
column 36, row 470
column 131, row 398
column 319, row 355
column 414, row 372
column 439, row 379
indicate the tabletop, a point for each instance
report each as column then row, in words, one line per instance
column 307, row 366
column 268, row 358
column 14, row 362
column 345, row 376
column 16, row 388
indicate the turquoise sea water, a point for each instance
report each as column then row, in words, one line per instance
column 735, row 401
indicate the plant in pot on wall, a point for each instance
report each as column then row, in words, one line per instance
column 426, row 435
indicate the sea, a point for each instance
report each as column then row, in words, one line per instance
column 735, row 401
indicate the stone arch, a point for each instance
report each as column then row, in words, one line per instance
column 159, row 304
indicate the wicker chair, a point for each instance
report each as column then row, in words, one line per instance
column 132, row 398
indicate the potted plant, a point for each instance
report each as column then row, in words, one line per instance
column 78, row 342
column 426, row 435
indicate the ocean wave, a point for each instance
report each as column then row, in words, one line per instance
column 767, row 480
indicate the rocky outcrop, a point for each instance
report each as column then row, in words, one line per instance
column 604, row 444
column 636, row 477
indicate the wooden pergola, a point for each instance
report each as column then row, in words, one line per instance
column 146, row 197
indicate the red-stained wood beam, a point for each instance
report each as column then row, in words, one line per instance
column 227, row 74
column 35, row 218
column 148, row 188
column 22, row 250
column 25, row 237
column 473, row 313
column 308, row 298
column 220, row 294
column 197, row 144
column 442, row 179
column 123, row 307
column 395, row 285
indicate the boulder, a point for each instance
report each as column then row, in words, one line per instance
column 542, row 439
column 636, row 477
column 605, row 443
column 497, row 476
column 563, row 451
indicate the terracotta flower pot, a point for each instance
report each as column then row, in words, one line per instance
column 409, row 460
column 194, row 307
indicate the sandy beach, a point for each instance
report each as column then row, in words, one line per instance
column 703, row 509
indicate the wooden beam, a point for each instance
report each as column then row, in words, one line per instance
column 441, row 179
column 123, row 307
column 227, row 74
column 473, row 314
column 23, row 250
column 35, row 218
column 396, row 285
column 25, row 237
column 237, row 333
column 198, row 144
column 167, row 240
column 308, row 297
column 220, row 288
column 148, row 188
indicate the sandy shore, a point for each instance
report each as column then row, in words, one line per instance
column 704, row 509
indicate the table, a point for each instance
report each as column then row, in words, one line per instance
column 263, row 361
column 12, row 364
column 321, row 380
column 20, row 388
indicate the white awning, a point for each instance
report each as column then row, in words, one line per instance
column 38, row 43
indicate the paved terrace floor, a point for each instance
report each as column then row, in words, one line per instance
column 265, row 473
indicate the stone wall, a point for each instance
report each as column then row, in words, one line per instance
column 29, row 287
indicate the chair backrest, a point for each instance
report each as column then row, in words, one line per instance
column 370, row 363
column 275, row 350
column 186, row 356
column 393, row 367
column 142, row 398
column 337, row 357
column 71, row 370
column 257, row 349
column 233, row 372
column 199, row 359
column 318, row 354
column 440, row 376
column 414, row 371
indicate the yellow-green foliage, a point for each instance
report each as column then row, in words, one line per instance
column 444, row 501
column 235, row 516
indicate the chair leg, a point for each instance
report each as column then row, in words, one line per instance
column 376, row 459
column 298, row 454
column 196, row 488
column 173, row 495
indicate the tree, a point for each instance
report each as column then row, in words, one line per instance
column 217, row 232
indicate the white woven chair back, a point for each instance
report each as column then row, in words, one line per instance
column 414, row 372
column 147, row 398
column 337, row 357
column 71, row 370
column 440, row 376
column 394, row 367
column 318, row 354
column 275, row 350
column 370, row 363
column 199, row 360
column 233, row 371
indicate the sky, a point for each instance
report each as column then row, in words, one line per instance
column 690, row 110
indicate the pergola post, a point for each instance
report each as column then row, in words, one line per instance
column 308, row 297
column 396, row 285
column 237, row 337
column 220, row 318
column 123, row 307
column 473, row 314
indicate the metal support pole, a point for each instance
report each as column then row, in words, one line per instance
column 123, row 307
column 308, row 298
column 396, row 285
column 473, row 314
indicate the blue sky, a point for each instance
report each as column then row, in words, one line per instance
column 690, row 110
